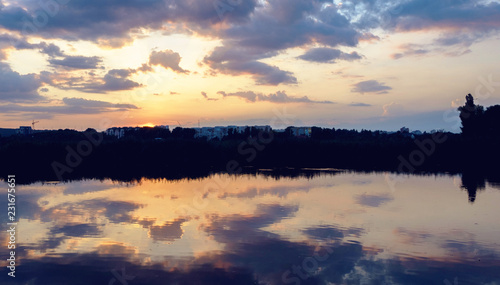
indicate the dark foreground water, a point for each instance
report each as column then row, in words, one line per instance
column 347, row 228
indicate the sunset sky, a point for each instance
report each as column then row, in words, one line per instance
column 369, row 64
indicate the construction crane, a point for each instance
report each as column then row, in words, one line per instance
column 33, row 124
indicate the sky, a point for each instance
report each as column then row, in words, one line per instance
column 367, row 64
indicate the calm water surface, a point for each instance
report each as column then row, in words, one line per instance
column 346, row 228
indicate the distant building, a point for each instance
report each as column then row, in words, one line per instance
column 301, row 131
column 417, row 133
column 211, row 133
column 117, row 132
column 25, row 130
column 404, row 130
column 265, row 129
column 8, row 132
column 220, row 132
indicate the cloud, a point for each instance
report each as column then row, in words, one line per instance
column 411, row 50
column 113, row 23
column 462, row 21
column 244, row 61
column 204, row 94
column 452, row 44
column 113, row 80
column 373, row 200
column 169, row 231
column 116, row 79
column 236, row 228
column 95, row 103
column 77, row 62
column 67, row 106
column 332, row 233
column 278, row 97
column 145, row 68
column 20, row 43
column 414, row 15
column 277, row 26
column 328, row 55
column 469, row 15
column 393, row 109
column 77, row 230
column 359, row 105
column 168, row 59
column 15, row 87
column 370, row 86
column 51, row 50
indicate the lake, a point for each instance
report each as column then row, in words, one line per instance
column 328, row 228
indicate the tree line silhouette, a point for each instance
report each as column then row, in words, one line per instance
column 477, row 122
column 158, row 152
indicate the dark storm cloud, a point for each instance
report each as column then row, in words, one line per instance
column 328, row 55
column 278, row 97
column 15, row 87
column 370, row 86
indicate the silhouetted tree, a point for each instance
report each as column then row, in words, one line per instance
column 492, row 121
column 472, row 117
column 472, row 182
